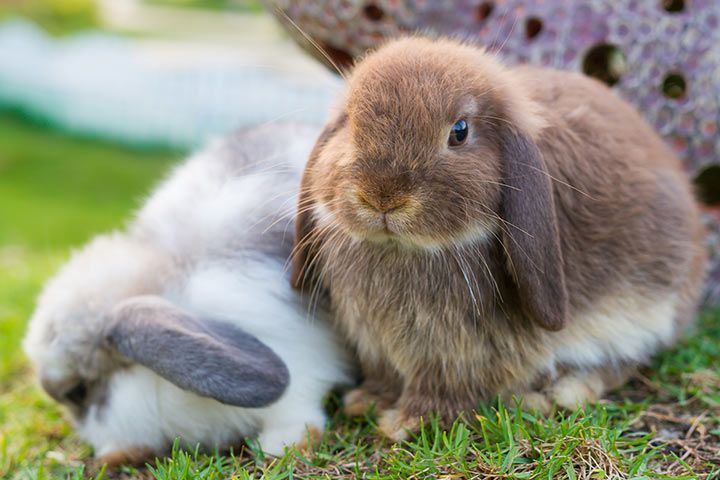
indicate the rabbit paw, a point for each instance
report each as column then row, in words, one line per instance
column 568, row 392
column 313, row 436
column 574, row 391
column 537, row 401
column 396, row 425
column 359, row 400
column 274, row 440
column 134, row 456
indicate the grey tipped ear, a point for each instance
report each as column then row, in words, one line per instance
column 531, row 232
column 303, row 249
column 210, row 358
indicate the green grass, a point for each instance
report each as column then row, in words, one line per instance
column 220, row 5
column 58, row 17
column 56, row 192
column 62, row 17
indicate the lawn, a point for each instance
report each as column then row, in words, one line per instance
column 58, row 17
column 57, row 191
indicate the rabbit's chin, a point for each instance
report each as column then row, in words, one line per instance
column 402, row 231
column 473, row 235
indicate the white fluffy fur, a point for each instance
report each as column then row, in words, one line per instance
column 197, row 242
column 617, row 330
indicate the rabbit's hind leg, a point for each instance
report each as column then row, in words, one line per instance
column 575, row 388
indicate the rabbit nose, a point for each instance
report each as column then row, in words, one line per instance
column 73, row 391
column 382, row 204
column 52, row 388
column 381, row 188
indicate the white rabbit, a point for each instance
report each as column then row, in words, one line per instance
column 186, row 325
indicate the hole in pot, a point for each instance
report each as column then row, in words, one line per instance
column 533, row 27
column 606, row 62
column 343, row 59
column 673, row 6
column 483, row 11
column 707, row 184
column 674, row 85
column 373, row 12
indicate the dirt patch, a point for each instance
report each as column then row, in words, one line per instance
column 687, row 431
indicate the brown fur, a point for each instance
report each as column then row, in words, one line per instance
column 463, row 273
column 313, row 437
column 134, row 456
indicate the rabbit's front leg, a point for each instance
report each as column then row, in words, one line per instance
column 299, row 426
column 423, row 400
column 380, row 389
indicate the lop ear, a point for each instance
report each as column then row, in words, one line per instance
column 210, row 358
column 531, row 232
column 305, row 225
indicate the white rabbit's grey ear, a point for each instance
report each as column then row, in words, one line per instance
column 211, row 358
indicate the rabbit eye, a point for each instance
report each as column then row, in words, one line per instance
column 77, row 394
column 458, row 133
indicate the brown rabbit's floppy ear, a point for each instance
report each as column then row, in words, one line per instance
column 302, row 256
column 211, row 358
column 531, row 232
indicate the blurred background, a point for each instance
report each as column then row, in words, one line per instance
column 98, row 98
column 164, row 73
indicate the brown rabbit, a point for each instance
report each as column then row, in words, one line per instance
column 482, row 230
